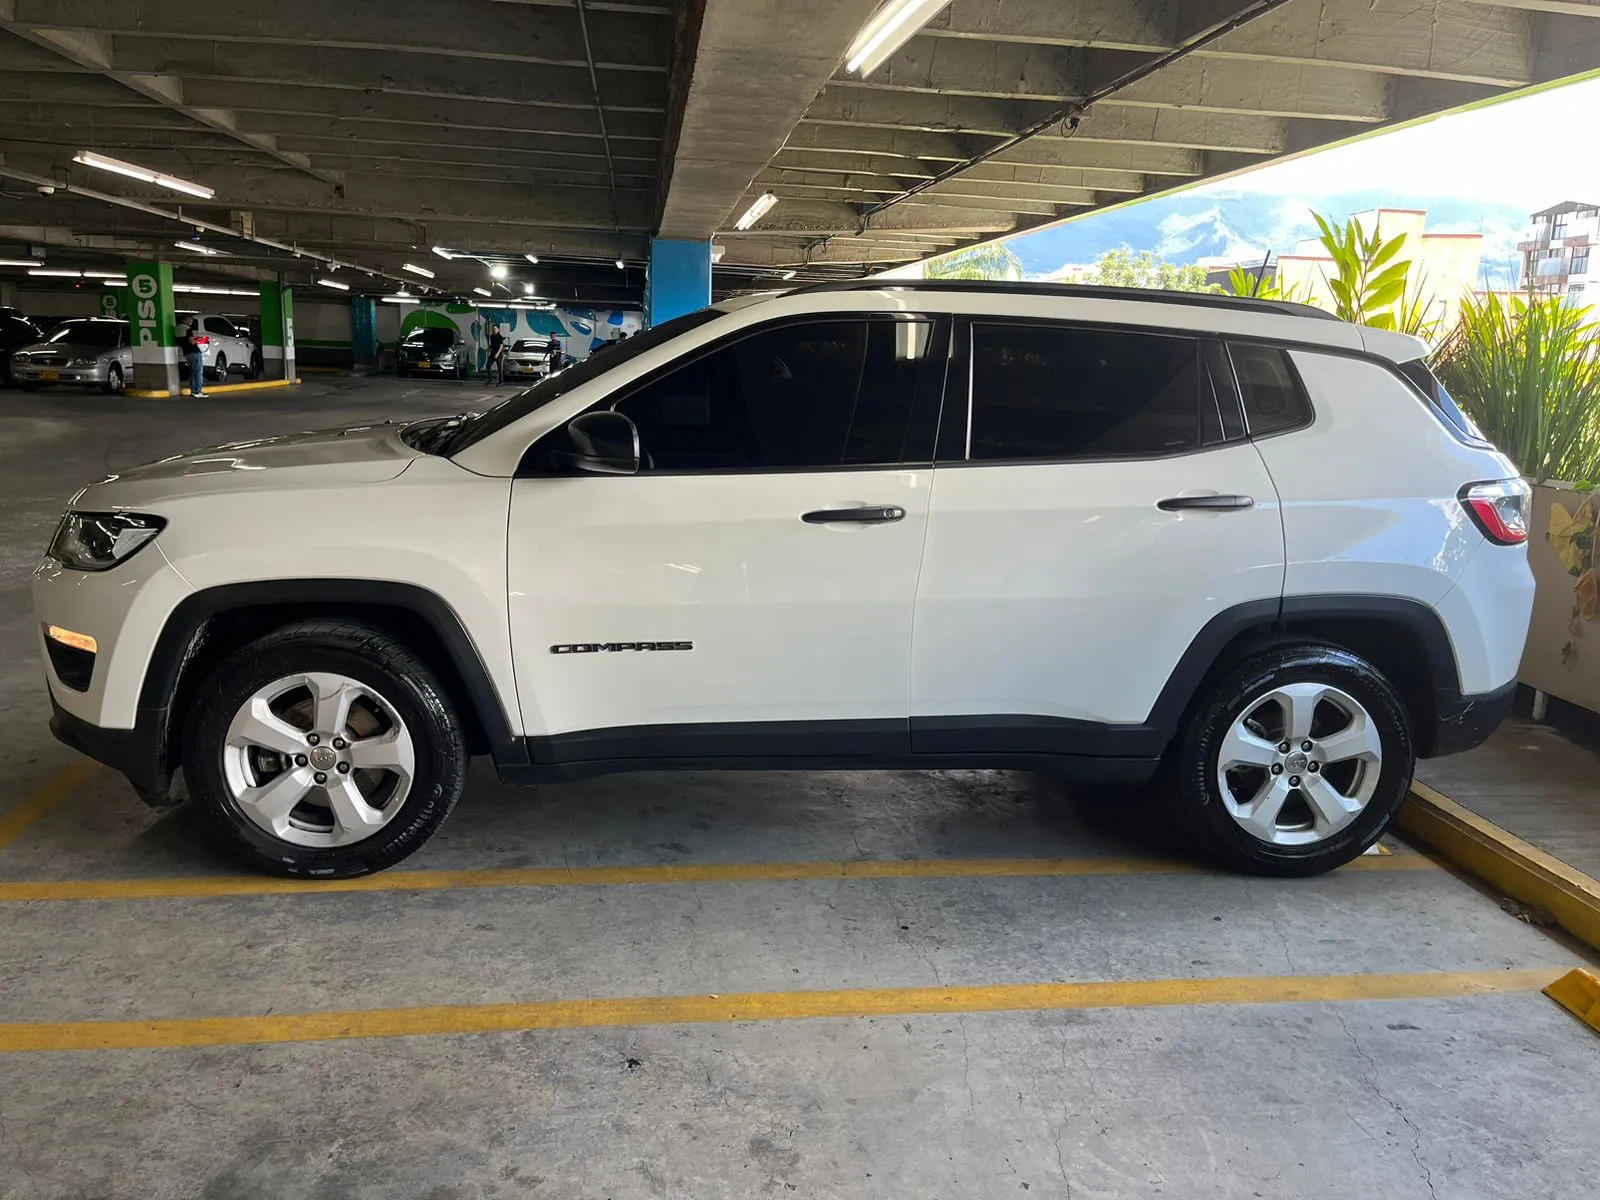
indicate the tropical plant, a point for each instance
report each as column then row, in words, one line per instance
column 1527, row 370
column 1247, row 281
column 1123, row 268
column 1368, row 278
column 1419, row 313
column 994, row 261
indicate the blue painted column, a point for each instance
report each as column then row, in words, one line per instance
column 679, row 279
column 364, row 332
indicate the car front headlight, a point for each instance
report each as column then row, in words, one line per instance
column 88, row 541
column 82, row 362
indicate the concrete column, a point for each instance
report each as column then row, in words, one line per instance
column 115, row 301
column 153, row 323
column 364, row 332
column 277, row 331
column 679, row 279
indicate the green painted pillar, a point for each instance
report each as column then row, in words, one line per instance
column 153, row 323
column 277, row 331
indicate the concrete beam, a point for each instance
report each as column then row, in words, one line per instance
column 840, row 138
column 933, row 114
column 374, row 71
column 751, row 69
column 826, row 218
column 1112, row 122
column 789, row 193
column 864, row 189
column 1128, row 25
column 512, row 33
column 886, row 172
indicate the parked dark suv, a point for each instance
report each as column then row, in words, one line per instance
column 434, row 351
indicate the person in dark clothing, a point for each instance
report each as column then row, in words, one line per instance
column 194, row 353
column 497, row 351
column 552, row 350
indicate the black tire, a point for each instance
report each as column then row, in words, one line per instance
column 222, row 368
column 253, row 368
column 113, row 383
column 373, row 659
column 1197, row 796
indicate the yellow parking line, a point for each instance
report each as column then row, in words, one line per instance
column 771, row 872
column 756, row 1006
column 16, row 821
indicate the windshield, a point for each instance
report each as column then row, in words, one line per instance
column 528, row 344
column 555, row 386
column 430, row 337
column 88, row 333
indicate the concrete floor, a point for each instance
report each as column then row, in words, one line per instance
column 1452, row 1096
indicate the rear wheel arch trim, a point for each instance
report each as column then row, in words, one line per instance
column 181, row 638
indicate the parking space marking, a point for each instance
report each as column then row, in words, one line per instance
column 191, row 887
column 16, row 821
column 758, row 1006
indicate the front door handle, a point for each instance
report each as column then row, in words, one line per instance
column 1211, row 502
column 872, row 514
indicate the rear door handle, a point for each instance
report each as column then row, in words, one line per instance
column 1213, row 502
column 872, row 514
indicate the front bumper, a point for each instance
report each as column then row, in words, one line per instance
column 433, row 368
column 28, row 373
column 525, row 370
column 1462, row 722
column 138, row 753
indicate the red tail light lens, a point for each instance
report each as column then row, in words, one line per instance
column 1499, row 509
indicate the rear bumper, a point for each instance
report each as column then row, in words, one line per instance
column 1462, row 722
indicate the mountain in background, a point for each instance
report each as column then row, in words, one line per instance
column 1234, row 227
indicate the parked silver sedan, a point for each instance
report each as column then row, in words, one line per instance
column 84, row 351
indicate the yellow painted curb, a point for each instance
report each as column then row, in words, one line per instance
column 1519, row 869
column 1579, row 993
column 254, row 385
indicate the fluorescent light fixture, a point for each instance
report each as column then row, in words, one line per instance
column 621, row 266
column 197, row 248
column 416, row 270
column 442, row 252
column 891, row 27
column 482, row 291
column 19, row 262
column 527, row 289
column 787, row 274
column 334, row 283
column 206, row 289
column 759, row 208
column 498, row 271
column 133, row 171
column 64, row 273
column 398, row 299
column 533, row 258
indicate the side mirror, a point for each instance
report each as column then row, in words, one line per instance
column 604, row 442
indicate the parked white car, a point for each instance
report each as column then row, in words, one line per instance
column 87, row 351
column 229, row 349
column 865, row 525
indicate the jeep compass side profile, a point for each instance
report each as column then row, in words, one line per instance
column 1100, row 532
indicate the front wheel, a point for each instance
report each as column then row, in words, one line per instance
column 113, row 383
column 222, row 368
column 323, row 749
column 1294, row 761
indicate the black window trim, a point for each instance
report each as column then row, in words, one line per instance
column 930, row 390
column 1310, row 418
column 956, row 402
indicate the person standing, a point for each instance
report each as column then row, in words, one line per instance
column 497, row 351
column 552, row 351
column 194, row 353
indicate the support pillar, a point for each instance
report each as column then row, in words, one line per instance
column 152, row 323
column 277, row 331
column 364, row 332
column 679, row 279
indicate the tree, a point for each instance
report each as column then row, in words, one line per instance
column 994, row 261
column 1124, row 268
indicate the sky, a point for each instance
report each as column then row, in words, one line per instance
column 1529, row 152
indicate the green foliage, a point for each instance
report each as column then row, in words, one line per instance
column 1124, row 268
column 1368, row 278
column 1243, row 281
column 1527, row 370
column 994, row 261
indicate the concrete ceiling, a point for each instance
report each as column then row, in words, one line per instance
column 368, row 131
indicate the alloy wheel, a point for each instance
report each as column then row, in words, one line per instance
column 1299, row 764
column 318, row 759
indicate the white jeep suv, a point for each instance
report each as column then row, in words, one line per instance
column 859, row 525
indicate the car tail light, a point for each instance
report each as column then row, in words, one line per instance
column 1499, row 509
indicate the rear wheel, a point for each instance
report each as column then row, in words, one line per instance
column 222, row 368
column 253, row 368
column 1295, row 761
column 324, row 749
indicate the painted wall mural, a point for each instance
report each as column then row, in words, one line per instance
column 580, row 330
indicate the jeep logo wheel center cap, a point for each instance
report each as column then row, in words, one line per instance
column 1295, row 763
column 323, row 758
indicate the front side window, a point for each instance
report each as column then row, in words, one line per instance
column 1055, row 392
column 817, row 394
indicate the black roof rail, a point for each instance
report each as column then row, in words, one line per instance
column 1281, row 308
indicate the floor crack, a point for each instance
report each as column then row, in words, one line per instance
column 1370, row 1078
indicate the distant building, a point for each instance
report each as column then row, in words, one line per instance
column 1444, row 265
column 1555, row 254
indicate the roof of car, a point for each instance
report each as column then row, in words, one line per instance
column 1078, row 291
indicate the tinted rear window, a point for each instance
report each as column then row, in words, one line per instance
column 1269, row 389
column 1425, row 381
